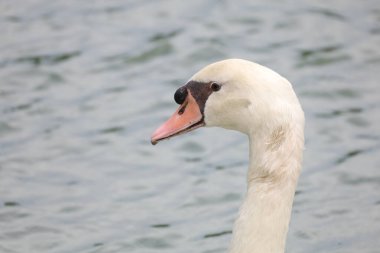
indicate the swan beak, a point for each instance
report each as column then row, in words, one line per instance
column 185, row 119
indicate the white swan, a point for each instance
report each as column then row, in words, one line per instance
column 250, row 98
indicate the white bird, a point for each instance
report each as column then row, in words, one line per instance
column 245, row 96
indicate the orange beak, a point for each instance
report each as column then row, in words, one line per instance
column 186, row 118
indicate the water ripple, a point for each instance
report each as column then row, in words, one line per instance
column 85, row 83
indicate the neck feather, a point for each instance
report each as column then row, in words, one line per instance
column 275, row 164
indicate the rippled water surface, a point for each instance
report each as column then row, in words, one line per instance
column 84, row 83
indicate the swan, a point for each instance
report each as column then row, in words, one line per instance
column 242, row 95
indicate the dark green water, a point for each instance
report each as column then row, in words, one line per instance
column 84, row 84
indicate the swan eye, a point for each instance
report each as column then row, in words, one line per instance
column 215, row 86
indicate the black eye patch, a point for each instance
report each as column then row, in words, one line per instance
column 200, row 91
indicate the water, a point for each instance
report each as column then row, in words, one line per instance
column 84, row 84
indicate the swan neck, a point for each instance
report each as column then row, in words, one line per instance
column 264, row 216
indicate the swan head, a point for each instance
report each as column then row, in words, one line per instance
column 233, row 94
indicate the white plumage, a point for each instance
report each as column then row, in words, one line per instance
column 261, row 104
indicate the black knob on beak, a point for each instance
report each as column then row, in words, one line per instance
column 180, row 95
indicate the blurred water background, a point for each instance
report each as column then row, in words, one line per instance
column 84, row 83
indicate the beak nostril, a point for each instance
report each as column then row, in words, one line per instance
column 180, row 95
column 182, row 110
